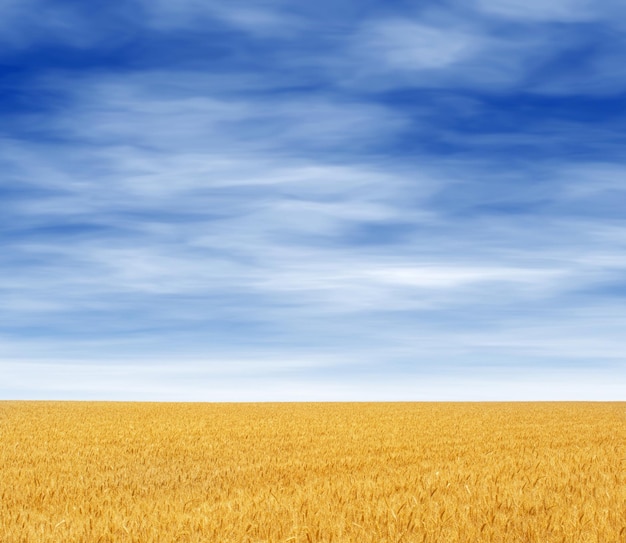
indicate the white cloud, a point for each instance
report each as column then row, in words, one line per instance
column 434, row 276
column 190, row 116
column 481, row 50
column 447, row 53
column 407, row 45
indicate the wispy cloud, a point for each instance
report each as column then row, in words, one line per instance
column 497, row 47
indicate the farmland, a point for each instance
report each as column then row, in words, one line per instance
column 307, row 472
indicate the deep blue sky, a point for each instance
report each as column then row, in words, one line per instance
column 305, row 201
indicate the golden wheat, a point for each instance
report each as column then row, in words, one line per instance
column 304, row 473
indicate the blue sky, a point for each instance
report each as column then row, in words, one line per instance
column 339, row 200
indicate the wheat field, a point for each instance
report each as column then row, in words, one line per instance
column 304, row 472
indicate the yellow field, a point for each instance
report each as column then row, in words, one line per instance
column 434, row 472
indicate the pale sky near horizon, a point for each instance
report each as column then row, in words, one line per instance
column 338, row 200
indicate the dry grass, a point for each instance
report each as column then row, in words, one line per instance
column 383, row 473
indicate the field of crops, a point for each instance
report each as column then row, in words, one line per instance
column 361, row 473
